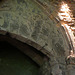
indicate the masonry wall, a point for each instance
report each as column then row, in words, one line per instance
column 27, row 19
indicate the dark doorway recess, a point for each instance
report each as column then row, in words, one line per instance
column 15, row 62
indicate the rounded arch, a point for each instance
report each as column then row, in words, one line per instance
column 33, row 50
column 27, row 20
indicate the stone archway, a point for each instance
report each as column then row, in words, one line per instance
column 48, row 63
column 26, row 22
column 38, row 57
column 33, row 53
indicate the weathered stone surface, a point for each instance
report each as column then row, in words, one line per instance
column 27, row 19
column 71, row 69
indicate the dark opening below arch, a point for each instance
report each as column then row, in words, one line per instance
column 18, row 58
column 14, row 62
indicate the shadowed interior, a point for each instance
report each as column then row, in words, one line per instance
column 14, row 62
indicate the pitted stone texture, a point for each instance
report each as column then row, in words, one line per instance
column 45, row 69
column 56, row 70
column 71, row 69
column 28, row 20
column 52, row 67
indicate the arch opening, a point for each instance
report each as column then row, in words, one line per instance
column 28, row 50
column 11, row 56
column 15, row 62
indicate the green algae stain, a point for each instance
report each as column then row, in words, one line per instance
column 13, row 62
